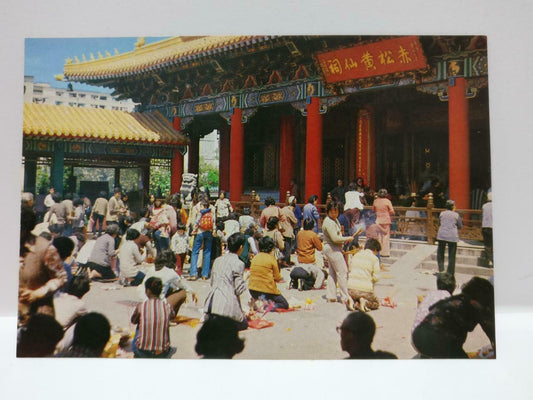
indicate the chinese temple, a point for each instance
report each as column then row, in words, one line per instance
column 395, row 110
column 63, row 137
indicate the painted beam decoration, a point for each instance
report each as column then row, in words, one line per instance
column 381, row 58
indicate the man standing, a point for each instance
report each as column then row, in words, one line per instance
column 486, row 228
column 114, row 207
column 48, row 200
column 337, row 193
column 98, row 212
column 288, row 223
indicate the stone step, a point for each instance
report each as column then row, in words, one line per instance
column 459, row 268
column 459, row 259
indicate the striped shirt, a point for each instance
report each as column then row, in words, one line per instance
column 153, row 319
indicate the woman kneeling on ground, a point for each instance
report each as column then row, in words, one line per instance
column 264, row 273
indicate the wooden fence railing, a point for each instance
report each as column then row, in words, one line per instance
column 418, row 223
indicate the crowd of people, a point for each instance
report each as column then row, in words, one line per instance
column 70, row 243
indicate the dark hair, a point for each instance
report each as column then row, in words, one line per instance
column 180, row 227
column 205, row 204
column 312, row 198
column 450, row 204
column 132, row 234
column 77, row 202
column 218, row 338
column 102, row 194
column 234, row 216
column 235, row 241
column 272, row 223
column 56, row 197
column 165, row 258
column 28, row 219
column 269, row 201
column 154, row 284
column 39, row 337
column 64, row 246
column 446, row 282
column 382, row 193
column 67, row 196
column 362, row 326
column 249, row 232
column 309, row 223
column 373, row 244
column 352, row 187
column 111, row 229
column 333, row 205
column 220, row 224
column 79, row 285
column 92, row 332
column 117, row 190
column 266, row 244
column 481, row 290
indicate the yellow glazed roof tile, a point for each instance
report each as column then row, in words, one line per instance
column 153, row 55
column 98, row 124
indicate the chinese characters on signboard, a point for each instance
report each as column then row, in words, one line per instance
column 386, row 57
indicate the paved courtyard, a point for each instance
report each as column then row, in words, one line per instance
column 302, row 334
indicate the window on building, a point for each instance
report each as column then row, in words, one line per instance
column 94, row 97
column 101, row 106
column 81, row 105
column 58, row 103
column 103, row 97
column 82, row 95
column 72, row 94
column 35, row 90
column 59, row 93
column 72, row 104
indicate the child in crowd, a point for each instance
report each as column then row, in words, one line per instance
column 153, row 319
column 180, row 247
column 227, row 284
column 306, row 273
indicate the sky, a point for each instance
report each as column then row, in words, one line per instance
column 45, row 58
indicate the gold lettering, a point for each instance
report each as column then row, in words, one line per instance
column 385, row 57
column 368, row 60
column 403, row 55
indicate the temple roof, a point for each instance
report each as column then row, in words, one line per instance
column 65, row 122
column 151, row 57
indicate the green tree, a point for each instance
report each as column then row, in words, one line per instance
column 209, row 175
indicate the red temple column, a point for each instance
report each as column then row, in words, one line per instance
column 176, row 172
column 459, row 143
column 223, row 160
column 237, row 155
column 194, row 155
column 313, row 150
column 286, row 159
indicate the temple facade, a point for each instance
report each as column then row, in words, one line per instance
column 398, row 111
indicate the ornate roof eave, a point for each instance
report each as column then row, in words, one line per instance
column 156, row 56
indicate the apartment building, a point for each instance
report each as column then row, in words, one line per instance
column 35, row 92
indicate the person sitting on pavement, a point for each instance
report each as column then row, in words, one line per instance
column 103, row 256
column 218, row 338
column 246, row 220
column 306, row 274
column 131, row 257
column 264, row 273
column 445, row 286
column 443, row 332
column 152, row 317
column 227, row 284
column 363, row 274
column 175, row 287
column 91, row 334
column 357, row 333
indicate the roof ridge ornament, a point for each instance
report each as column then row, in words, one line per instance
column 141, row 41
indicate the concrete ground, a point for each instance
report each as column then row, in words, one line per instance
column 302, row 334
